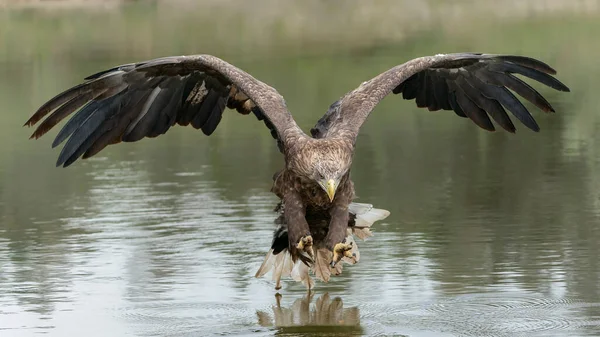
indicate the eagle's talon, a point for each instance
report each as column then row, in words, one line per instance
column 304, row 246
column 340, row 251
column 304, row 242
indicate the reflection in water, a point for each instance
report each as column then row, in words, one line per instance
column 303, row 316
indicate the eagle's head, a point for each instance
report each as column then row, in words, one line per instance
column 324, row 163
column 328, row 174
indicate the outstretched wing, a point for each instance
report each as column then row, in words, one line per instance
column 137, row 100
column 473, row 85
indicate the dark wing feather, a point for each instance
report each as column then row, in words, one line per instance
column 472, row 85
column 145, row 99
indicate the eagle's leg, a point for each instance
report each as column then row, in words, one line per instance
column 336, row 236
column 299, row 237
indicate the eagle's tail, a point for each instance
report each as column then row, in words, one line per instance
column 281, row 264
column 362, row 217
column 279, row 259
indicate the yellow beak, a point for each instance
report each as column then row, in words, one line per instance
column 330, row 189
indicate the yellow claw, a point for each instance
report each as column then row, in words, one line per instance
column 305, row 241
column 342, row 250
column 305, row 248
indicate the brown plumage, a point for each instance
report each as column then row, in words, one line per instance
column 137, row 100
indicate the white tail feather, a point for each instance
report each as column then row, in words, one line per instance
column 321, row 266
column 366, row 216
column 288, row 264
column 281, row 264
column 267, row 264
column 282, row 267
column 278, row 267
column 300, row 274
column 362, row 233
column 369, row 218
column 359, row 208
